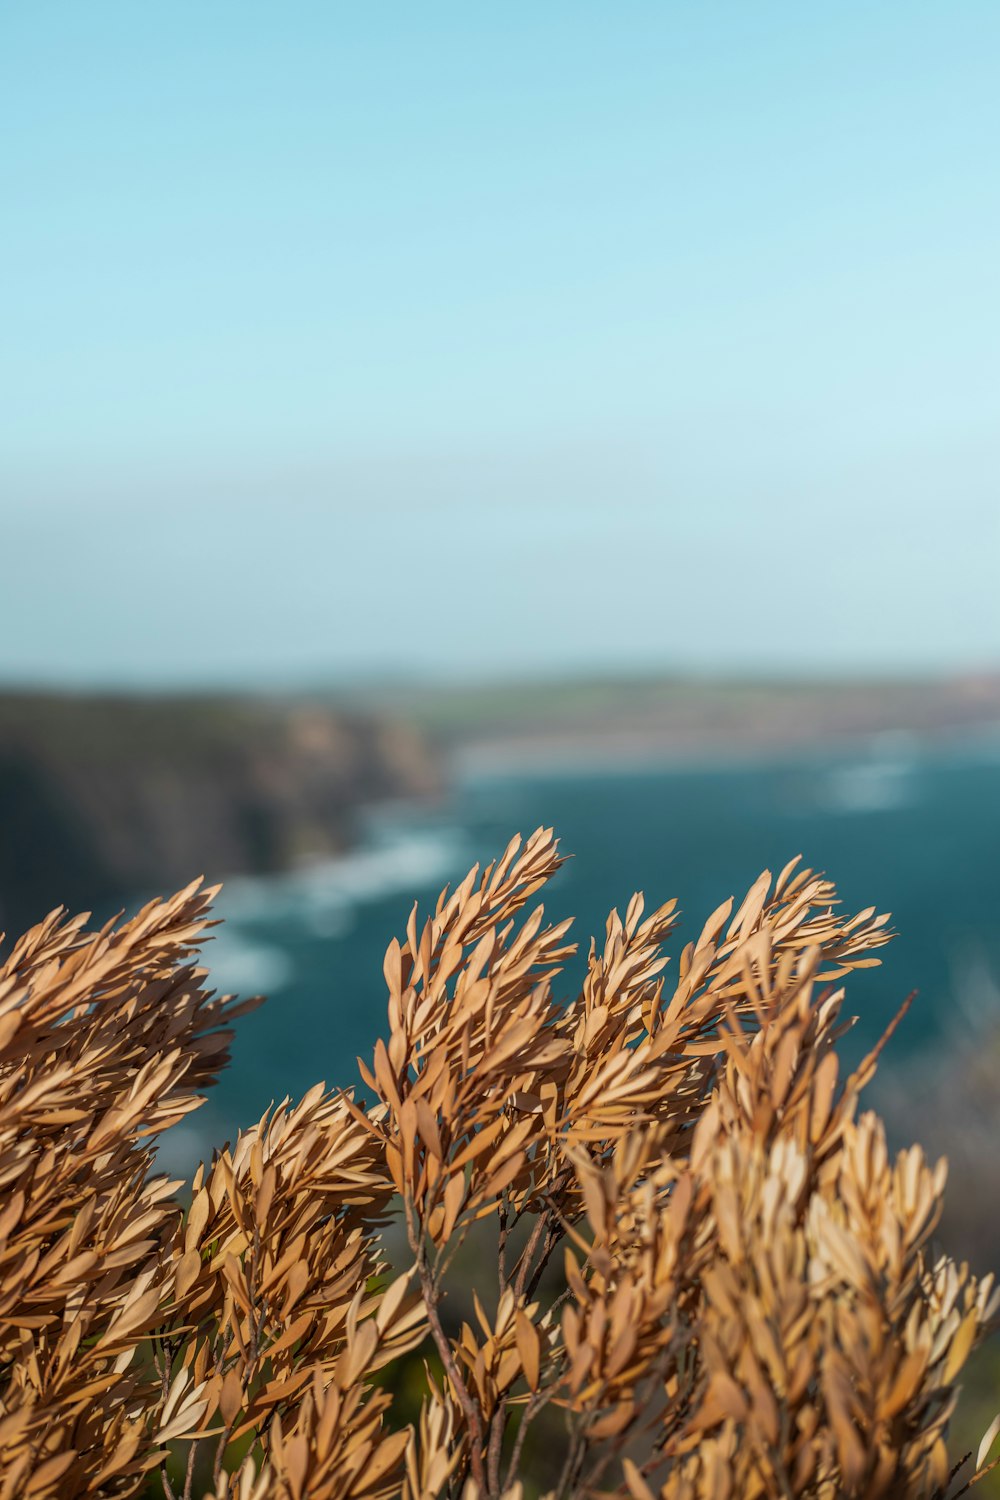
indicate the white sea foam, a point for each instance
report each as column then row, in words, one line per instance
column 239, row 966
column 884, row 779
column 405, row 858
column 974, row 989
column 869, row 788
column 323, row 896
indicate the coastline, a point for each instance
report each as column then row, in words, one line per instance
column 548, row 755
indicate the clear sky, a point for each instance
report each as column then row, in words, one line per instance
column 477, row 338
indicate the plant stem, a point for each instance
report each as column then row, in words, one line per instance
column 539, row 1399
column 502, row 1245
column 189, row 1474
column 470, row 1410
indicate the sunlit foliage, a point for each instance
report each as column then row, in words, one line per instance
column 711, row 1279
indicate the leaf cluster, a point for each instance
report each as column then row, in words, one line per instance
column 712, row 1280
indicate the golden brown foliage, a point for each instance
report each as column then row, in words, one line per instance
column 105, row 1039
column 744, row 1303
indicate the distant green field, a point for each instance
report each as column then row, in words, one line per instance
column 688, row 706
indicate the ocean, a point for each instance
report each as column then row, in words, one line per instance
column 906, row 826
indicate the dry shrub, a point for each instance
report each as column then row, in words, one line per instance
column 744, row 1302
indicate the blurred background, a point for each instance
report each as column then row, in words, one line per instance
column 422, row 423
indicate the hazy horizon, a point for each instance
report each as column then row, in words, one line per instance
column 400, row 680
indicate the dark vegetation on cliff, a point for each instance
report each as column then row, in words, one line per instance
column 101, row 797
column 104, row 796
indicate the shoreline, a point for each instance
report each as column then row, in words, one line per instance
column 554, row 754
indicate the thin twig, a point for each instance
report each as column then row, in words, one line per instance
column 977, row 1476
column 863, row 1072
column 470, row 1409
column 189, row 1473
column 574, row 1459
column 220, row 1449
column 527, row 1255
column 541, row 1398
column 163, row 1370
column 494, row 1447
column 502, row 1244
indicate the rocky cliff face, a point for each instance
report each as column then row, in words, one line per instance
column 104, row 797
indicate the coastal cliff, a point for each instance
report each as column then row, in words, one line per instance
column 103, row 797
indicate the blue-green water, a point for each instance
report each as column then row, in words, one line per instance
column 907, row 828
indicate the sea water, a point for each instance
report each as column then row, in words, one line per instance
column 906, row 827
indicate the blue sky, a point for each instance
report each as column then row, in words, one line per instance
column 478, row 338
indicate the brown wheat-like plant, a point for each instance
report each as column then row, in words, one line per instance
column 710, row 1280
